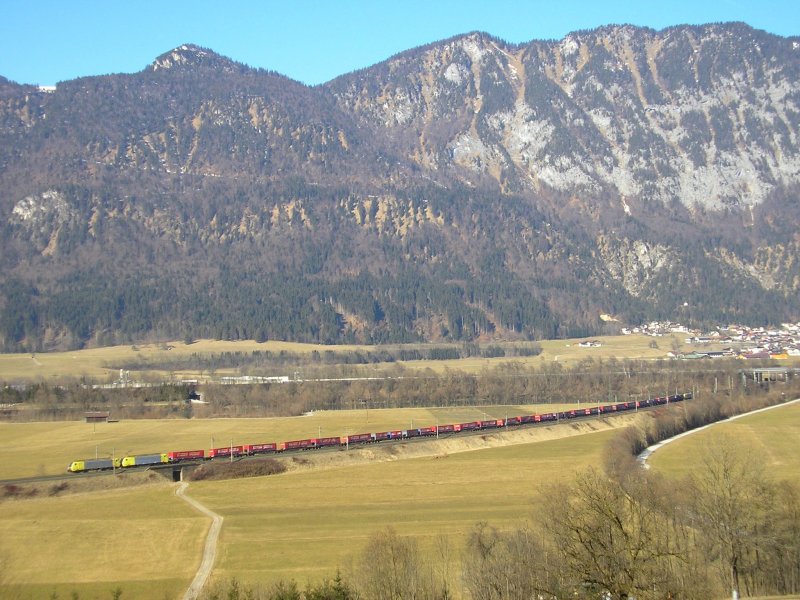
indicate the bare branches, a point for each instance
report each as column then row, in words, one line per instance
column 613, row 538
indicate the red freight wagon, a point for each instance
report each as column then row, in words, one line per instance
column 358, row 438
column 491, row 424
column 298, row 445
column 447, row 428
column 259, row 448
column 427, row 430
column 225, row 451
column 389, row 435
column 186, row 455
column 329, row 441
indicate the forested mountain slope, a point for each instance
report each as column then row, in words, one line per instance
column 466, row 189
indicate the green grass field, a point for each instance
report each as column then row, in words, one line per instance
column 103, row 364
column 774, row 434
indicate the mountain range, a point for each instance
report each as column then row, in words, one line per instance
column 470, row 189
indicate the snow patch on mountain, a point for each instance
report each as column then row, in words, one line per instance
column 34, row 210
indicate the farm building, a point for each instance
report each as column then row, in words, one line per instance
column 97, row 417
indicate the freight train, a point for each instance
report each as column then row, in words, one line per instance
column 178, row 456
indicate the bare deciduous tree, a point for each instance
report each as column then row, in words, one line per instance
column 505, row 565
column 390, row 568
column 732, row 503
column 784, row 570
column 615, row 539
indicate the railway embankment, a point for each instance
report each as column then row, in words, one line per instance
column 454, row 444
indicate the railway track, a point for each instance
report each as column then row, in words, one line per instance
column 499, row 430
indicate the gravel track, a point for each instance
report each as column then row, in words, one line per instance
column 210, row 548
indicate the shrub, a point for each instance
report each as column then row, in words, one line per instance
column 256, row 467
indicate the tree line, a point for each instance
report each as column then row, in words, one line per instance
column 252, row 362
column 591, row 381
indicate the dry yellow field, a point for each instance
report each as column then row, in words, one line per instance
column 565, row 352
column 306, row 523
column 30, row 449
column 773, row 434
column 103, row 364
column 302, row 524
column 143, row 540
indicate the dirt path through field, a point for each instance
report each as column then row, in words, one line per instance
column 210, row 549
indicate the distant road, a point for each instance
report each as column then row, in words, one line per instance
column 210, row 548
column 648, row 452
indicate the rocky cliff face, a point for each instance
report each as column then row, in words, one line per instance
column 706, row 116
column 469, row 188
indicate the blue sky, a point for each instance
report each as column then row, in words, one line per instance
column 46, row 41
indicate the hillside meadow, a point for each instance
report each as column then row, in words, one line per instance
column 306, row 525
column 773, row 434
